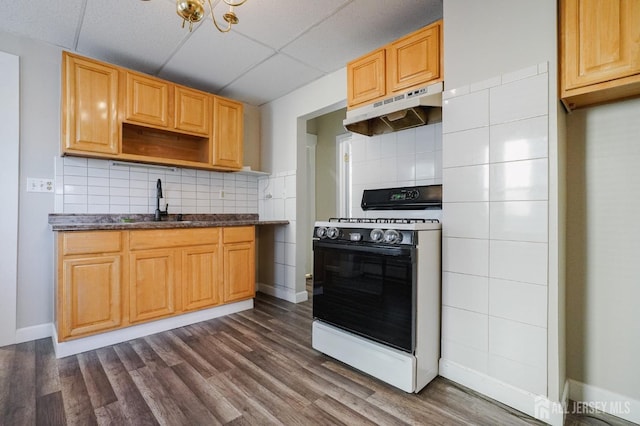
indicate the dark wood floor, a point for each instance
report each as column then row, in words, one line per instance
column 252, row 368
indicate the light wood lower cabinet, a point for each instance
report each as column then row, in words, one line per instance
column 112, row 279
column 151, row 284
column 201, row 277
column 239, row 258
column 90, row 276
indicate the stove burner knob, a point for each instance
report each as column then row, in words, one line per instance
column 321, row 232
column 392, row 236
column 333, row 232
column 376, row 235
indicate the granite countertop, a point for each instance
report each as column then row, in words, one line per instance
column 89, row 222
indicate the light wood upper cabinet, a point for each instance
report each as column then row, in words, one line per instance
column 89, row 284
column 227, row 133
column 192, row 110
column 89, row 106
column 239, row 261
column 409, row 62
column 157, row 102
column 600, row 51
column 366, row 78
column 112, row 112
column 147, row 100
column 414, row 59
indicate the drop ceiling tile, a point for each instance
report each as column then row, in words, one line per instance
column 209, row 60
column 132, row 33
column 277, row 24
column 270, row 80
column 41, row 20
column 360, row 27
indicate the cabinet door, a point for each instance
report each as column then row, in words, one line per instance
column 600, row 41
column 192, row 109
column 89, row 295
column 200, row 277
column 366, row 78
column 239, row 263
column 89, row 106
column 147, row 100
column 414, row 59
column 151, row 284
column 227, row 133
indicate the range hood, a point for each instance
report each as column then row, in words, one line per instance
column 411, row 109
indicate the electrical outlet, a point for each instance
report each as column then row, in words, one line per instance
column 40, row 185
column 221, row 194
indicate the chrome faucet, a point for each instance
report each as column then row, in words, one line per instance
column 159, row 213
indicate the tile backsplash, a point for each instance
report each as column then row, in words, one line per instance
column 103, row 186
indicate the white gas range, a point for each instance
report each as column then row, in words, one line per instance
column 376, row 288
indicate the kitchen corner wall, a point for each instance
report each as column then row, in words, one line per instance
column 495, row 228
column 277, row 200
column 100, row 186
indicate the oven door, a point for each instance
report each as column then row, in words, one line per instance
column 368, row 290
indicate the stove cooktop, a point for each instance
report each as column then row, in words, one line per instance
column 382, row 223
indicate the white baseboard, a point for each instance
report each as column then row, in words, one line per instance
column 284, row 293
column 594, row 398
column 84, row 344
column 537, row 406
column 35, row 332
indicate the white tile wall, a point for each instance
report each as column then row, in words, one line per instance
column 495, row 227
column 276, row 196
column 100, row 186
column 406, row 158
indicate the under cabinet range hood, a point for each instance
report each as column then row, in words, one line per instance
column 411, row 109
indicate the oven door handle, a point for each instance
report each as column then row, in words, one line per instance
column 384, row 250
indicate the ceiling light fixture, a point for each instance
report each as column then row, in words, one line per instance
column 193, row 11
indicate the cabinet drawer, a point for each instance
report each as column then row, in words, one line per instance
column 91, row 242
column 165, row 238
column 238, row 234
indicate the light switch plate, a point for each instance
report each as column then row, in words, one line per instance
column 40, row 185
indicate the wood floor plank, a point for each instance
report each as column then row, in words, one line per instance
column 146, row 353
column 335, row 408
column 164, row 408
column 274, row 402
column 190, row 405
column 77, row 404
column 47, row 377
column 131, row 402
column 209, row 395
column 255, row 367
column 128, row 356
column 180, row 348
column 262, row 377
column 7, row 354
column 98, row 385
column 253, row 413
column 20, row 408
column 50, row 410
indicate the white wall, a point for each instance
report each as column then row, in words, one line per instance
column 603, row 248
column 283, row 152
column 9, row 179
column 39, row 143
